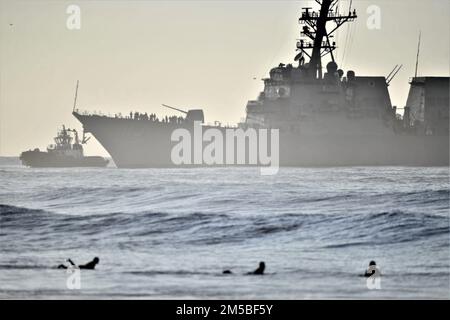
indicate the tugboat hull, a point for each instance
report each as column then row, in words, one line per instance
column 39, row 159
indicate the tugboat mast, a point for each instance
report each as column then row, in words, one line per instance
column 319, row 37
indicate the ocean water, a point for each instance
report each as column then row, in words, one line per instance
column 169, row 233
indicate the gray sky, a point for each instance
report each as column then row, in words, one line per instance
column 135, row 55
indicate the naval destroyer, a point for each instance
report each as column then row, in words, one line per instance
column 325, row 116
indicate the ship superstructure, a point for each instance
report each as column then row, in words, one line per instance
column 303, row 99
column 426, row 110
column 63, row 145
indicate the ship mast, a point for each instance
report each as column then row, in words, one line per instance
column 417, row 58
column 319, row 38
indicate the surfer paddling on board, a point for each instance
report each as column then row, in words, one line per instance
column 89, row 266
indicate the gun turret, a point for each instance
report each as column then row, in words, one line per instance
column 165, row 105
column 191, row 115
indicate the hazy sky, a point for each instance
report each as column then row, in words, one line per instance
column 135, row 55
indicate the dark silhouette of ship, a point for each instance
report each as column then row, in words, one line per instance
column 63, row 153
column 329, row 118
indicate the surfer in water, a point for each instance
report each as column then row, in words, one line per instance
column 259, row 271
column 90, row 265
column 372, row 269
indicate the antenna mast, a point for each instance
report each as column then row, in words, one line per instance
column 417, row 58
column 393, row 73
column 75, row 100
column 316, row 34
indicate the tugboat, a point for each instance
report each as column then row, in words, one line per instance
column 63, row 153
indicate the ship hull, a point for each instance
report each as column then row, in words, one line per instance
column 147, row 144
column 39, row 159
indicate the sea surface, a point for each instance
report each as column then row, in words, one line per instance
column 169, row 233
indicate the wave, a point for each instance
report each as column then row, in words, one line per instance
column 6, row 210
column 388, row 228
column 339, row 230
column 22, row 267
column 169, row 272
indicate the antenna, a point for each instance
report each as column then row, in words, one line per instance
column 75, row 100
column 417, row 58
column 388, row 80
column 390, row 73
column 317, row 37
